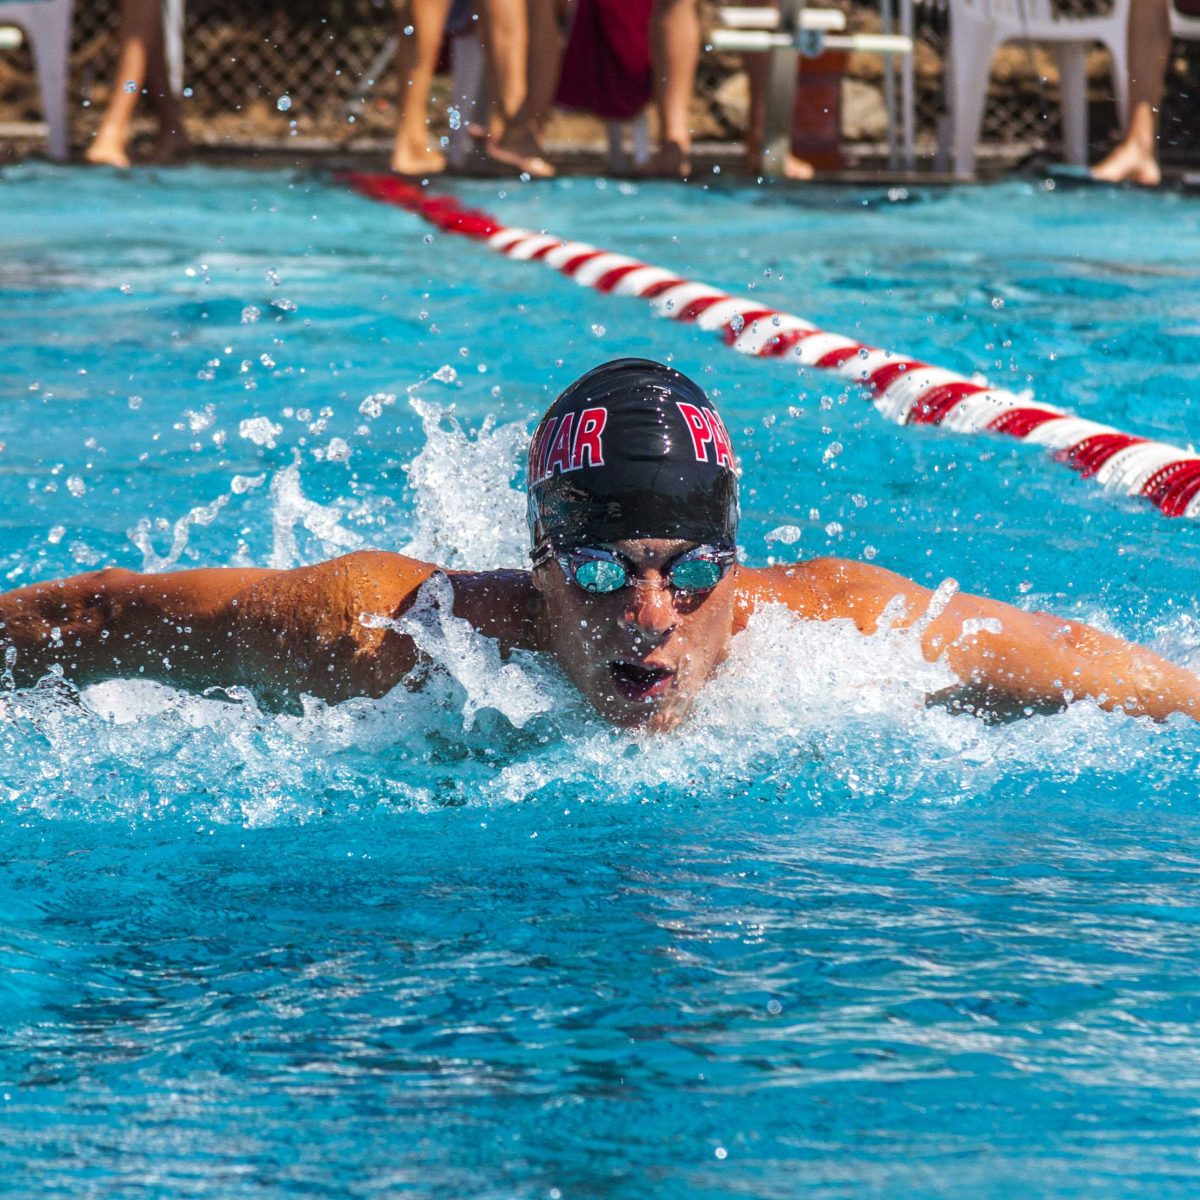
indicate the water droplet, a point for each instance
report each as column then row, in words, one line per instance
column 721, row 1153
column 250, row 314
column 408, row 31
column 737, row 323
column 188, row 93
column 76, row 486
column 787, row 534
column 997, row 302
column 774, row 1007
column 283, row 103
column 271, row 276
column 427, row 239
column 446, row 374
column 862, row 352
column 131, row 86
column 599, row 330
column 454, row 117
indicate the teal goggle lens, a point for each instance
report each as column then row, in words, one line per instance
column 599, row 575
column 602, row 576
column 695, row 575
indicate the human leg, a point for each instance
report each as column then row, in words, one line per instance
column 794, row 167
column 675, row 52
column 416, row 61
column 172, row 140
column 547, row 23
column 1135, row 157
column 513, row 140
column 139, row 31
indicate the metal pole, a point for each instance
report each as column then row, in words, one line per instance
column 887, row 17
column 781, row 94
column 908, row 94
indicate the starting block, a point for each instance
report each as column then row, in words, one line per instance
column 792, row 32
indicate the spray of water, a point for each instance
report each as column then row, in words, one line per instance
column 811, row 713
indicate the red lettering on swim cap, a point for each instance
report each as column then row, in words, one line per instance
column 720, row 437
column 587, row 438
column 539, row 450
column 698, row 427
column 560, row 451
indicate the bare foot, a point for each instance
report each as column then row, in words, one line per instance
column 172, row 145
column 797, row 168
column 1129, row 164
column 107, row 150
column 416, row 158
column 669, row 161
column 793, row 167
column 519, row 149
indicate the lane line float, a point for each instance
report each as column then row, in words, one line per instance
column 905, row 390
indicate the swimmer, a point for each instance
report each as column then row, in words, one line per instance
column 634, row 588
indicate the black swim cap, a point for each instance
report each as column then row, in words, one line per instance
column 631, row 449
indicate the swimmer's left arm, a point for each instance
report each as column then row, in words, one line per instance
column 1014, row 660
column 1009, row 660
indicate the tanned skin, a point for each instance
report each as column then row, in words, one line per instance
column 285, row 634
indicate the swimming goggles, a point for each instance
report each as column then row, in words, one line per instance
column 602, row 572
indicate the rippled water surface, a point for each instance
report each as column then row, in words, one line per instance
column 470, row 942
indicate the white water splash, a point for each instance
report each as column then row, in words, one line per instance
column 809, row 711
column 471, row 660
column 290, row 508
column 262, row 431
column 202, row 514
column 469, row 514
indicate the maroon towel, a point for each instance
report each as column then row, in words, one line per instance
column 606, row 65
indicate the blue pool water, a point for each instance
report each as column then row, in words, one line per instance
column 471, row 942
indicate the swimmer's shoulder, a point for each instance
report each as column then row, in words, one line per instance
column 499, row 603
column 328, row 629
column 339, row 590
column 826, row 589
column 305, row 628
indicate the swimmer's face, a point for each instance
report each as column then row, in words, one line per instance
column 642, row 653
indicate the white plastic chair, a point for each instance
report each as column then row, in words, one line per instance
column 47, row 25
column 979, row 27
column 1186, row 29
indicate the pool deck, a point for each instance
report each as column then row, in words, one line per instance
column 866, row 165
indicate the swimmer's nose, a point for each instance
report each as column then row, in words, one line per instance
column 650, row 614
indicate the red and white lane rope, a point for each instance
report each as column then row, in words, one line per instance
column 904, row 390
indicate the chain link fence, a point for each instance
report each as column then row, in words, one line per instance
column 323, row 55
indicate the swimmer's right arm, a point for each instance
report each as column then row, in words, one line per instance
column 283, row 632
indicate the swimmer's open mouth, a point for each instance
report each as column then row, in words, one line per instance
column 638, row 682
